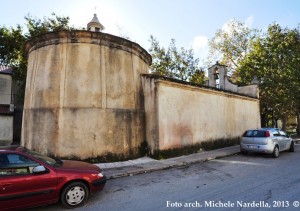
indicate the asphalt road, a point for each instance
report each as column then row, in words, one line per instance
column 252, row 182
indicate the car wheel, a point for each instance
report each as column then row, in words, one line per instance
column 275, row 153
column 292, row 147
column 74, row 195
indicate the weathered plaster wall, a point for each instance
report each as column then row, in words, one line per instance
column 83, row 95
column 187, row 115
column 85, row 98
column 250, row 90
column 151, row 111
column 230, row 86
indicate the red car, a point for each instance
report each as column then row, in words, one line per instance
column 28, row 179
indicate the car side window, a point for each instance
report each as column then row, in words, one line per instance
column 15, row 164
column 275, row 133
column 282, row 133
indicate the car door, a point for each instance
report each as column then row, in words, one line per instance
column 276, row 138
column 20, row 187
column 285, row 140
column 280, row 140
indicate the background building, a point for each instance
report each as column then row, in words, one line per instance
column 6, row 106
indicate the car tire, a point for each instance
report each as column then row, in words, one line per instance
column 74, row 195
column 244, row 152
column 292, row 147
column 275, row 153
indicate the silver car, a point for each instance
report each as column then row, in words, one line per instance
column 266, row 140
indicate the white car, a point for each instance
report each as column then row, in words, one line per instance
column 266, row 140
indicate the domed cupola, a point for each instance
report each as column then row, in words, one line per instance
column 95, row 25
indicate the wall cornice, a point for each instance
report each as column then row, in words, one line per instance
column 83, row 36
column 192, row 86
column 204, row 90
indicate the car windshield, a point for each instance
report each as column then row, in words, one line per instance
column 42, row 158
column 255, row 133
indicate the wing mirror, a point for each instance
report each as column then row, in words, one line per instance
column 39, row 169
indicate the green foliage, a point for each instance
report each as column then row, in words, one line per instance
column 195, row 148
column 133, row 153
column 275, row 60
column 230, row 44
column 174, row 63
column 12, row 42
column 11, row 46
column 48, row 24
column 11, row 54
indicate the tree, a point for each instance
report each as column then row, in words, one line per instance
column 231, row 44
column 275, row 60
column 11, row 54
column 174, row 63
column 12, row 42
column 38, row 26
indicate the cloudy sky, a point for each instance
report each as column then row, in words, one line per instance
column 190, row 22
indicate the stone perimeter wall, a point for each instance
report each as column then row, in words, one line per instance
column 85, row 98
column 83, row 95
column 179, row 115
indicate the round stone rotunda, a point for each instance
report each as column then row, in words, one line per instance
column 83, row 96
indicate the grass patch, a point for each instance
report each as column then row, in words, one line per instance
column 138, row 152
column 143, row 150
column 196, row 148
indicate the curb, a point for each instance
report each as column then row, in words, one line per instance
column 166, row 166
column 176, row 162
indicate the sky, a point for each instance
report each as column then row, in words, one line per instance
column 190, row 22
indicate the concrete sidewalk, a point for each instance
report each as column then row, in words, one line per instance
column 146, row 164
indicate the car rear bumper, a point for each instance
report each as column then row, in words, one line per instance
column 257, row 148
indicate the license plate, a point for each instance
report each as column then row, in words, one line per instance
column 252, row 147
